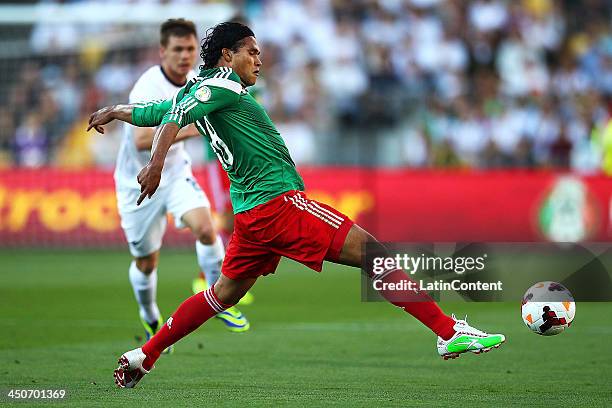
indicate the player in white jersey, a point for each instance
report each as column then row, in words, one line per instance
column 179, row 193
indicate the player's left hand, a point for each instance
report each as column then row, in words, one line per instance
column 148, row 178
column 101, row 117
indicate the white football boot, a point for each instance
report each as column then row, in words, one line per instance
column 130, row 370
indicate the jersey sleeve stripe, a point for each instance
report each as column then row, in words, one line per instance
column 188, row 100
column 187, row 109
column 224, row 83
column 176, row 115
column 148, row 103
column 174, row 98
column 174, row 112
column 185, row 106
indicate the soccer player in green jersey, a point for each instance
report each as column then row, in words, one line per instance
column 273, row 216
column 178, row 194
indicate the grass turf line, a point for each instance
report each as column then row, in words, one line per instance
column 68, row 315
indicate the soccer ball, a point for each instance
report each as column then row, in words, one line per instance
column 548, row 308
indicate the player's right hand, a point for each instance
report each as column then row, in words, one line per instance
column 101, row 117
column 148, row 178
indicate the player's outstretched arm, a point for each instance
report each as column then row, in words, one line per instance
column 146, row 114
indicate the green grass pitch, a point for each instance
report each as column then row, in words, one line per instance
column 66, row 316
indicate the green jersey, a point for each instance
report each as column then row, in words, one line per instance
column 241, row 134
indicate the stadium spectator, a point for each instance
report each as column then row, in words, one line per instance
column 7, row 130
column 516, row 79
column 31, row 142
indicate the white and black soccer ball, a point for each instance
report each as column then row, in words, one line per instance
column 548, row 308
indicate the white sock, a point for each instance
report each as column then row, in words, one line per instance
column 210, row 258
column 145, row 291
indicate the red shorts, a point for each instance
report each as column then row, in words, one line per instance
column 289, row 225
column 219, row 186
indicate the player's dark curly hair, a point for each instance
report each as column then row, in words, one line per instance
column 224, row 35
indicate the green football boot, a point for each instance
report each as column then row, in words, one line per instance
column 234, row 320
column 199, row 284
column 468, row 338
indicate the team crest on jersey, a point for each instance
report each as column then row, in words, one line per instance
column 203, row 93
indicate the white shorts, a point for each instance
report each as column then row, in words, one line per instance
column 144, row 226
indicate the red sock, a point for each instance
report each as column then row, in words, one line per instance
column 190, row 315
column 418, row 304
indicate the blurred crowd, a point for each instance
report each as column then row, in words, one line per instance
column 421, row 83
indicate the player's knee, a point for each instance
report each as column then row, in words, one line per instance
column 371, row 240
column 358, row 237
column 354, row 243
column 229, row 293
column 206, row 234
column 147, row 264
column 228, row 298
column 374, row 245
column 226, row 221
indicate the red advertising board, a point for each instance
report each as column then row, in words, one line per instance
column 51, row 207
